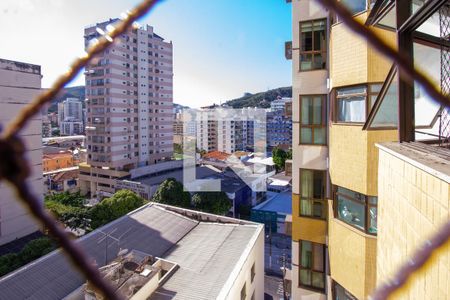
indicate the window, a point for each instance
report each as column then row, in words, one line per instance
column 313, row 120
column 356, row 209
column 313, row 45
column 252, row 273
column 354, row 103
column 312, row 190
column 339, row 293
column 312, row 265
column 244, row 292
column 354, row 6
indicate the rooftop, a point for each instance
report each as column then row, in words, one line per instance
column 57, row 155
column 206, row 247
column 216, row 155
column 66, row 175
column 12, row 65
column 280, row 203
column 430, row 158
column 201, row 172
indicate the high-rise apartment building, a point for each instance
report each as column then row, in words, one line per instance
column 225, row 129
column 70, row 109
column 19, row 84
column 279, row 103
column 359, row 208
column 278, row 129
column 70, row 117
column 129, row 106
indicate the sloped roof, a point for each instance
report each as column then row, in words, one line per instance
column 65, row 175
column 206, row 252
column 216, row 155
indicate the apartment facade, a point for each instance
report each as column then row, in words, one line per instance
column 346, row 99
column 55, row 161
column 278, row 129
column 221, row 128
column 70, row 109
column 310, row 73
column 129, row 91
column 19, row 84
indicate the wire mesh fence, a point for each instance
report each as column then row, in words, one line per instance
column 15, row 170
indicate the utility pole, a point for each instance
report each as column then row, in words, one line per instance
column 283, row 270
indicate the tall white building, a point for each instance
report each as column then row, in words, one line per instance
column 70, row 109
column 70, row 117
column 19, row 84
column 129, row 106
column 279, row 104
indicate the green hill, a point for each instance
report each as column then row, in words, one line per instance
column 261, row 100
column 68, row 92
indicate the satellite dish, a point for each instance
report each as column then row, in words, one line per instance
column 122, row 252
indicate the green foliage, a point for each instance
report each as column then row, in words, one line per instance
column 279, row 157
column 68, row 208
column 178, row 148
column 121, row 203
column 171, row 192
column 36, row 248
column 261, row 100
column 33, row 250
column 212, row 202
column 66, row 198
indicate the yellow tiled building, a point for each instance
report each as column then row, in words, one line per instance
column 344, row 110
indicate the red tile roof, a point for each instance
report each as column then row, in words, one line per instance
column 216, row 155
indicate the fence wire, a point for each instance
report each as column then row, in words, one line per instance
column 15, row 169
column 421, row 255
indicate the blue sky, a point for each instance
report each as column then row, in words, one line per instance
column 222, row 48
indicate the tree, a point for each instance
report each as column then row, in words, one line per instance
column 121, row 203
column 212, row 202
column 33, row 250
column 178, row 148
column 66, row 198
column 279, row 157
column 171, row 192
column 68, row 209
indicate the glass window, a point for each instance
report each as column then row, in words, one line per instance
column 387, row 114
column 244, row 292
column 252, row 275
column 353, row 103
column 313, row 45
column 427, row 59
column 312, row 120
column 354, row 6
column 312, row 265
column 355, row 209
column 312, row 189
column 339, row 293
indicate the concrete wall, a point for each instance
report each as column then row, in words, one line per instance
column 355, row 167
column 352, row 257
column 353, row 61
column 241, row 274
column 19, row 84
column 412, row 204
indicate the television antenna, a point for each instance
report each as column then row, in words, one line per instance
column 106, row 236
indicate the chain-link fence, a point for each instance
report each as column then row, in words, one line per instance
column 14, row 167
